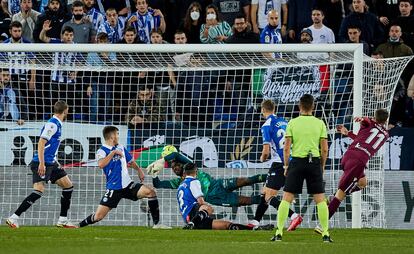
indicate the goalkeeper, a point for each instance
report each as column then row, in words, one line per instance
column 216, row 191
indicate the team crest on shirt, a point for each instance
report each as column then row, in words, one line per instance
column 267, row 38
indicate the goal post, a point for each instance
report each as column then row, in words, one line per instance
column 204, row 99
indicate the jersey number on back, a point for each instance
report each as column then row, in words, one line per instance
column 375, row 134
column 180, row 199
column 281, row 134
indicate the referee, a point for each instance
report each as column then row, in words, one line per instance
column 306, row 135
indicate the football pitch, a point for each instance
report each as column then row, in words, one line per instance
column 108, row 239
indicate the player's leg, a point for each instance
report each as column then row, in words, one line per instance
column 144, row 191
column 227, row 225
column 60, row 178
column 100, row 213
column 232, row 184
column 37, row 193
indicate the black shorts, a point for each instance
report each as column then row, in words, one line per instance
column 52, row 174
column 300, row 169
column 112, row 197
column 206, row 223
column 275, row 177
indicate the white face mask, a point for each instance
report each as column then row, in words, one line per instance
column 195, row 15
column 211, row 16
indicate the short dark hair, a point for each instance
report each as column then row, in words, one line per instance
column 108, row 130
column 381, row 115
column 15, row 24
column 156, row 31
column 130, row 29
column 60, row 107
column 377, row 53
column 268, row 105
column 190, row 167
column 102, row 36
column 306, row 102
column 78, row 4
column 406, row 1
column 240, row 16
column 68, row 29
column 354, row 27
column 179, row 32
column 111, row 9
column 317, row 8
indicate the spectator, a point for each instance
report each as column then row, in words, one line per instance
column 56, row 16
column 11, row 6
column 94, row 16
column 242, row 32
column 271, row 34
column 20, row 77
column 406, row 21
column 113, row 26
column 144, row 109
column 144, row 20
column 306, row 37
column 394, row 47
column 230, row 9
column 42, row 5
column 321, row 33
column 192, row 23
column 180, row 37
column 5, row 21
column 371, row 30
column 354, row 36
column 300, row 13
column 99, row 83
column 156, row 37
column 28, row 18
column 387, row 10
column 9, row 109
column 122, row 7
column 215, row 30
column 130, row 36
column 260, row 9
column 82, row 27
column 63, row 86
column 334, row 13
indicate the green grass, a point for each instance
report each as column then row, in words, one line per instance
column 114, row 240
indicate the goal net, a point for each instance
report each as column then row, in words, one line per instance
column 203, row 99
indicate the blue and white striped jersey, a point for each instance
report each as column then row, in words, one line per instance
column 51, row 131
column 13, row 6
column 18, row 58
column 96, row 18
column 115, row 34
column 187, row 194
column 271, row 35
column 67, row 59
column 116, row 172
column 144, row 24
column 273, row 133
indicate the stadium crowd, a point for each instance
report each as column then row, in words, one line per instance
column 385, row 27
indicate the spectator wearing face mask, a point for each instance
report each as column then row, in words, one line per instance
column 82, row 27
column 215, row 30
column 192, row 23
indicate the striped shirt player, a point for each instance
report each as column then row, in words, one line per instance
column 113, row 159
column 187, row 194
column 115, row 34
column 45, row 168
column 67, row 59
column 144, row 24
column 96, row 18
column 273, row 132
column 271, row 35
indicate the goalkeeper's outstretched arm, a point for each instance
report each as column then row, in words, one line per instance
column 165, row 184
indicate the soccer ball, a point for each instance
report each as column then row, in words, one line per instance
column 167, row 150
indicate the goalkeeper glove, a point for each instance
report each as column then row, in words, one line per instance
column 154, row 168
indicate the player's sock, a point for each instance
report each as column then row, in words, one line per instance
column 88, row 221
column 28, row 202
column 333, row 206
column 257, row 178
column 282, row 214
column 323, row 216
column 353, row 189
column 261, row 209
column 65, row 201
column 235, row 226
column 154, row 209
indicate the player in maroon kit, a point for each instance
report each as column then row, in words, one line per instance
column 371, row 136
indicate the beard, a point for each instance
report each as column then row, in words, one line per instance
column 16, row 38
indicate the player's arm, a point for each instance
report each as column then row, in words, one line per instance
column 344, row 131
column 41, row 153
column 104, row 161
column 266, row 143
column 135, row 166
column 195, row 187
column 165, row 184
column 286, row 153
column 324, row 152
column 176, row 156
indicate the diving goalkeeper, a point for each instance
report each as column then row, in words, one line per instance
column 216, row 191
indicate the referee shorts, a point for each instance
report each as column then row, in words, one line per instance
column 299, row 170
